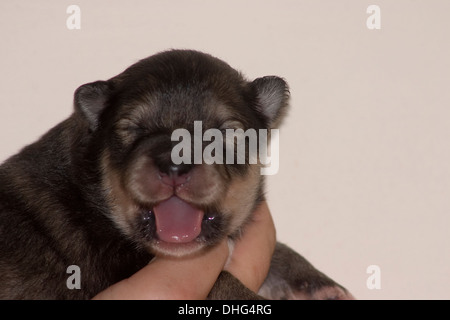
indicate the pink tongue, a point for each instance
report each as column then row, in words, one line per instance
column 177, row 221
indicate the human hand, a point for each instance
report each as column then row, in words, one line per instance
column 192, row 277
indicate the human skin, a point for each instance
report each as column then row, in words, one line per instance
column 169, row 278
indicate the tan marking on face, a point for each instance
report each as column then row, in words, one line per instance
column 125, row 128
column 135, row 117
column 239, row 200
column 232, row 124
column 123, row 208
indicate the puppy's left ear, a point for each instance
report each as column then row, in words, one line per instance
column 272, row 98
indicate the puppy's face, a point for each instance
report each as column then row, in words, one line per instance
column 170, row 207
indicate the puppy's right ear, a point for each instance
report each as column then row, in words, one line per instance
column 272, row 98
column 90, row 100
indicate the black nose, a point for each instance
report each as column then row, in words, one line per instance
column 180, row 169
column 162, row 159
column 176, row 175
column 175, row 169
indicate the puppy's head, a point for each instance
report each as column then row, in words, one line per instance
column 178, row 104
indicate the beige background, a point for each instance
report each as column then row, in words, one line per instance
column 365, row 160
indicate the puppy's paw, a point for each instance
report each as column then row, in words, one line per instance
column 292, row 277
column 328, row 292
column 281, row 290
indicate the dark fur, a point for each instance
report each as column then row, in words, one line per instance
column 83, row 194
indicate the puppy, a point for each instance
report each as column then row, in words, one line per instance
column 101, row 190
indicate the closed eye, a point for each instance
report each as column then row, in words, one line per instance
column 231, row 124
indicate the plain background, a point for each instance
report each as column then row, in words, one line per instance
column 364, row 173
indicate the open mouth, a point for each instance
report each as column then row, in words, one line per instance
column 176, row 223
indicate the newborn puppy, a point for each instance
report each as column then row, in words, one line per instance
column 102, row 191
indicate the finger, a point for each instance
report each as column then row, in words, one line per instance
column 250, row 260
column 172, row 278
